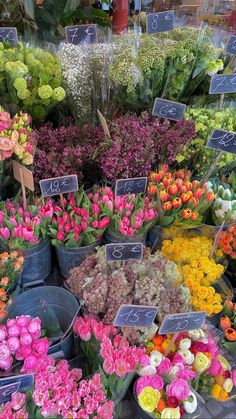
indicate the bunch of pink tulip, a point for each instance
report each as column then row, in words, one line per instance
column 133, row 215
column 20, row 340
column 81, row 222
column 20, row 229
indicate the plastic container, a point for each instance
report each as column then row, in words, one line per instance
column 70, row 257
column 37, row 264
column 64, row 306
column 113, row 238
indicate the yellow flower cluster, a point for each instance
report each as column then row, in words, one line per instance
column 198, row 271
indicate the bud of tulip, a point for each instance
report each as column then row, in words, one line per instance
column 225, row 322
column 185, row 197
column 177, row 202
column 180, row 174
column 164, row 167
column 173, row 190
column 179, row 182
column 188, row 185
column 67, row 227
column 210, row 196
column 167, row 206
column 186, row 213
column 96, row 209
column 84, row 225
column 103, row 223
column 198, row 193
column 194, row 216
column 164, row 196
column 167, row 181
column 152, row 189
column 182, row 189
column 94, row 224
column 60, row 236
column 195, row 184
column 193, row 202
column 66, row 217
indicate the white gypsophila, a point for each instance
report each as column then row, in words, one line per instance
column 156, row 358
column 190, row 405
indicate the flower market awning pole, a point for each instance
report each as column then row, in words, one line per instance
column 120, row 16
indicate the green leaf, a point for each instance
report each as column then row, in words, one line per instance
column 165, row 220
column 71, row 7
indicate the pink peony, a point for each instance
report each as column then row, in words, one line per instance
column 13, row 344
column 26, row 339
column 3, row 333
column 17, row 400
column 41, row 346
column 4, row 350
column 164, row 367
column 178, row 388
column 34, row 326
column 6, row 363
column 30, row 363
column 121, row 367
column 156, row 382
column 95, row 382
column 105, row 411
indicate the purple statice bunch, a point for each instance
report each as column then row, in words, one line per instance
column 140, row 143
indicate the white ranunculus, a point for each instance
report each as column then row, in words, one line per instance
column 173, row 371
column 156, row 358
column 194, row 334
column 185, row 343
column 188, row 356
column 190, row 404
column 148, row 370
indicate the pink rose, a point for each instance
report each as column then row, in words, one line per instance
column 186, row 374
column 156, row 382
column 18, row 355
column 3, row 333
column 13, row 331
column 179, row 388
column 17, row 400
column 144, row 361
column 34, row 326
column 23, row 321
column 215, row 367
column 41, row 346
column 26, row 339
column 23, row 330
column 164, row 367
column 30, row 363
column 6, row 364
column 25, row 351
column 141, row 383
column 13, row 344
column 4, row 350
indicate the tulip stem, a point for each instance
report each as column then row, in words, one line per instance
column 62, row 201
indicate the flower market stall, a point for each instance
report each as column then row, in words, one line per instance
column 117, row 218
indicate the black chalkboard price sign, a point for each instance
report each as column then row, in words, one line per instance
column 123, row 251
column 167, row 109
column 81, row 34
column 131, row 185
column 231, row 45
column 135, row 316
column 9, row 34
column 223, row 83
column 223, row 141
column 181, row 322
column 160, row 22
column 59, row 185
column 8, row 385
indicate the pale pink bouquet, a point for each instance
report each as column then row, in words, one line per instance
column 20, row 340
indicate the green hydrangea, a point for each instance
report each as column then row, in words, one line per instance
column 58, row 94
column 23, row 94
column 20, row 84
column 45, row 92
column 16, row 69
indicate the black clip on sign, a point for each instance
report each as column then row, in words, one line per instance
column 160, row 22
column 223, row 141
column 168, row 109
column 9, row 34
column 223, row 83
column 181, row 322
column 132, row 185
column 9, row 385
column 82, row 34
column 59, row 185
column 231, row 45
column 123, row 251
column 135, row 316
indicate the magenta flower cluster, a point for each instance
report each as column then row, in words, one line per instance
column 16, row 408
column 139, row 143
column 20, row 340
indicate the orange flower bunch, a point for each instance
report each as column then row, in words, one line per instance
column 227, row 241
column 182, row 200
column 10, row 267
column 228, row 325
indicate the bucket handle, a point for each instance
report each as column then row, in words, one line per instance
column 70, row 325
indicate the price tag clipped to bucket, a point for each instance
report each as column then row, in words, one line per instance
column 223, row 141
column 181, row 322
column 168, row 109
column 231, row 45
column 132, row 185
column 9, row 34
column 59, row 185
column 222, row 83
column 135, row 316
column 123, row 251
column 10, row 384
column 160, row 22
column 81, row 34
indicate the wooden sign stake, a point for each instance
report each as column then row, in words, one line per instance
column 169, row 347
column 104, row 125
column 125, row 336
column 62, row 201
column 23, row 189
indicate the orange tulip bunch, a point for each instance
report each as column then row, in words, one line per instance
column 227, row 241
column 182, row 200
column 228, row 325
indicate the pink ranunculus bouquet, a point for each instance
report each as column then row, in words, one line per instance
column 81, row 222
column 20, row 229
column 20, row 340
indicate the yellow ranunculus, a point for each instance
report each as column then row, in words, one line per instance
column 201, row 362
column 148, row 398
column 169, row 413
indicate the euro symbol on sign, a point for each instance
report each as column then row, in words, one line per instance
column 87, row 31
